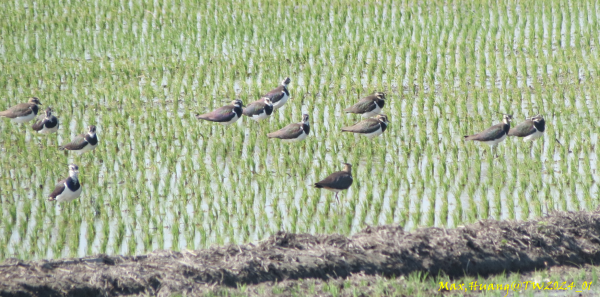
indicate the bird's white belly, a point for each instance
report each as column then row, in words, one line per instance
column 301, row 137
column 87, row 148
column 373, row 112
column 48, row 131
column 533, row 136
column 279, row 104
column 260, row 116
column 373, row 134
column 233, row 120
column 24, row 119
column 68, row 195
column 495, row 142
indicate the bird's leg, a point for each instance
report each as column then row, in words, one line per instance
column 20, row 139
column 531, row 149
column 40, row 154
column 378, row 143
column 336, row 198
column 89, row 159
column 36, row 137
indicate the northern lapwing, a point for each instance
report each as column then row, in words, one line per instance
column 293, row 132
column 494, row 134
column 337, row 181
column 225, row 115
column 531, row 129
column 49, row 124
column 67, row 189
column 371, row 127
column 368, row 106
column 84, row 142
column 23, row 112
column 259, row 110
column 280, row 95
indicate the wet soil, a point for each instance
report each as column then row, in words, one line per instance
column 483, row 248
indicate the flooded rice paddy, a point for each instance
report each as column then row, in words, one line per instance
column 160, row 179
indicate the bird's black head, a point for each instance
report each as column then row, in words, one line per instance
column 35, row 100
column 507, row 118
column 380, row 95
column 237, row 103
column 48, row 112
column 305, row 118
column 286, row 81
column 347, row 167
column 92, row 129
column 268, row 101
column 539, row 122
column 73, row 168
column 382, row 118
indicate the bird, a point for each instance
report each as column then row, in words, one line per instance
column 293, row 132
column 83, row 143
column 49, row 124
column 531, row 129
column 337, row 181
column 225, row 115
column 368, row 106
column 259, row 110
column 494, row 134
column 23, row 112
column 371, row 127
column 67, row 189
column 280, row 95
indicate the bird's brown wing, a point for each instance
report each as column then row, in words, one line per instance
column 366, row 126
column 290, row 131
column 78, row 143
column 340, row 180
column 18, row 110
column 523, row 129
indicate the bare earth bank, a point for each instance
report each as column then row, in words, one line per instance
column 483, row 248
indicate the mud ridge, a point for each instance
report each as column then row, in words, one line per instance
column 483, row 248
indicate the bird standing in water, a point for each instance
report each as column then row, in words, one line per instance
column 337, row 181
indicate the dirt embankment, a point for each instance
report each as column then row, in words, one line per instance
column 483, row 248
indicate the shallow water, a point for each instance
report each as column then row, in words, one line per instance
column 142, row 78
